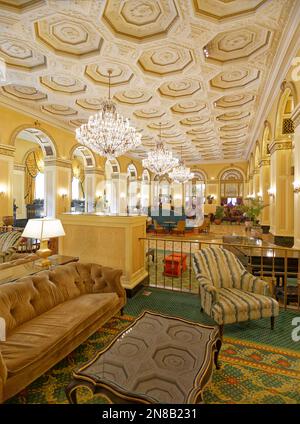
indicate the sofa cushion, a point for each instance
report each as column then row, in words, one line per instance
column 34, row 339
column 239, row 305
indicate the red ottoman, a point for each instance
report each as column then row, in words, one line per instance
column 175, row 264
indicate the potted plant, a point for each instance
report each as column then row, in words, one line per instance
column 252, row 209
column 219, row 215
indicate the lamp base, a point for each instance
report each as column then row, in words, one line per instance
column 44, row 252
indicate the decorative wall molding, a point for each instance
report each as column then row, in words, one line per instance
column 61, row 163
column 281, row 145
column 7, row 150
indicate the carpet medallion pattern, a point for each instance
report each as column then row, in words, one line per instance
column 250, row 372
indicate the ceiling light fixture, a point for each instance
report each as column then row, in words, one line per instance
column 160, row 161
column 181, row 174
column 108, row 133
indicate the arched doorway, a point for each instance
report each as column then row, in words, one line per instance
column 231, row 187
column 33, row 187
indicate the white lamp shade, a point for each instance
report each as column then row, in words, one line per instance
column 43, row 229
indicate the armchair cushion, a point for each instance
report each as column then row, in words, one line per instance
column 237, row 305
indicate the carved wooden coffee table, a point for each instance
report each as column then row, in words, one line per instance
column 157, row 359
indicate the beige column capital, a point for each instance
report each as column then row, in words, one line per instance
column 62, row 163
column 285, row 144
column 6, row 150
column 265, row 162
column 94, row 171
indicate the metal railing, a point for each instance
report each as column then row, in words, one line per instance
column 279, row 266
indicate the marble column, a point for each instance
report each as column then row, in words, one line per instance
column 57, row 186
column 282, row 201
column 264, row 185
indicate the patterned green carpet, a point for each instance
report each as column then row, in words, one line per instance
column 257, row 365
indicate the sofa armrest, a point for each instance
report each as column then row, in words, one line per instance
column 112, row 278
column 254, row 284
column 3, row 376
column 208, row 289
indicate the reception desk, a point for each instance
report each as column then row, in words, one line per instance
column 107, row 240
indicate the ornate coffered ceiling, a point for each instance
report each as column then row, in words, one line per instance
column 200, row 67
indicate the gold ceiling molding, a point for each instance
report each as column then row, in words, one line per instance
column 61, row 163
column 280, row 145
column 140, row 20
column 220, row 10
column 155, row 48
column 55, row 109
column 265, row 162
column 63, row 84
column 68, row 36
column 23, row 92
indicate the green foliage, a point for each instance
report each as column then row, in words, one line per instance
column 252, row 208
column 219, row 212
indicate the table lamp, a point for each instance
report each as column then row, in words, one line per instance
column 43, row 229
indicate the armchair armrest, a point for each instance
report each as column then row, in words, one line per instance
column 254, row 284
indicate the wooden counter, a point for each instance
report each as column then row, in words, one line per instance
column 107, row 240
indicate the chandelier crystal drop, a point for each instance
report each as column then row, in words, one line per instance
column 181, row 174
column 160, row 161
column 108, row 133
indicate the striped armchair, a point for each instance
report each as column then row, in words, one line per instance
column 228, row 292
column 9, row 242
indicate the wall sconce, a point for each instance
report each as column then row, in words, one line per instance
column 259, row 194
column 63, row 193
column 2, row 191
column 296, row 185
column 98, row 195
column 123, row 196
column 271, row 192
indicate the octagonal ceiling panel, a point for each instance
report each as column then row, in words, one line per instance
column 19, row 54
column 55, row 109
column 237, row 44
column 23, row 92
column 98, row 72
column 68, row 36
column 180, row 88
column 165, row 60
column 56, row 56
column 21, row 5
column 133, row 97
column 236, row 78
column 189, row 106
column 225, row 9
column 140, row 20
column 236, row 100
column 63, row 84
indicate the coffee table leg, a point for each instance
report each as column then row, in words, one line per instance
column 71, row 390
column 218, row 348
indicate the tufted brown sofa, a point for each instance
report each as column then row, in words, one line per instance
column 49, row 314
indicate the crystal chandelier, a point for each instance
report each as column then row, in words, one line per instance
column 160, row 161
column 181, row 174
column 108, row 133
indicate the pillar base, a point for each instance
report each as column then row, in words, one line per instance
column 285, row 241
